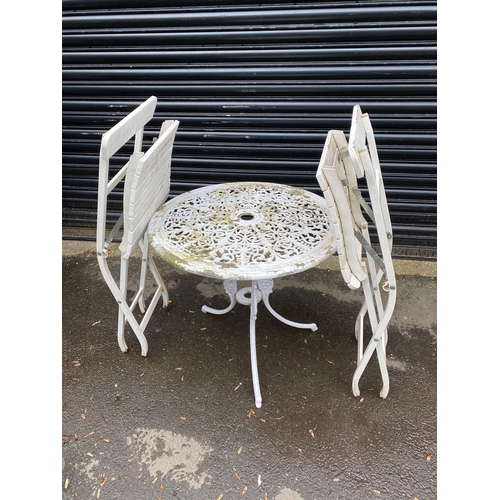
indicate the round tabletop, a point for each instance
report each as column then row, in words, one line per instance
column 243, row 231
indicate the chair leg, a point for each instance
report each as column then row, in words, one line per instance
column 159, row 280
column 358, row 327
column 377, row 342
column 379, row 346
column 136, row 328
column 142, row 279
column 382, row 362
column 360, row 368
column 148, row 263
column 121, row 331
column 125, row 310
column 121, row 315
column 376, row 278
column 359, row 331
column 125, row 314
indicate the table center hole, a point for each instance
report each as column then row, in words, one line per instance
column 247, row 216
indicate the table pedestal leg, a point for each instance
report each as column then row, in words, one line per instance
column 254, row 298
column 251, row 296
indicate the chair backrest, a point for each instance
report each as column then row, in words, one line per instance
column 130, row 126
column 364, row 156
column 147, row 176
column 337, row 180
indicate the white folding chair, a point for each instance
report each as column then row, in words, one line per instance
column 340, row 166
column 146, row 187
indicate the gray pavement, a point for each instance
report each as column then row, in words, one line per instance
column 181, row 422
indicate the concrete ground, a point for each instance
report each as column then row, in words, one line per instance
column 181, row 423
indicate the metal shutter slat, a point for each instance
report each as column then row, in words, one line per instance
column 256, row 89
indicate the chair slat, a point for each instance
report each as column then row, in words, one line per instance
column 127, row 128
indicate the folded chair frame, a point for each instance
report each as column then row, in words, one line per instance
column 341, row 165
column 146, row 186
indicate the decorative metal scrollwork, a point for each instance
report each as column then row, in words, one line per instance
column 244, row 224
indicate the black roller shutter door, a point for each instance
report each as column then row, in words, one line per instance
column 256, row 87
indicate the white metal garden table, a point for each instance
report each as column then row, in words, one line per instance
column 244, row 231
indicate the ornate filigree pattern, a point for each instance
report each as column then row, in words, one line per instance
column 243, row 230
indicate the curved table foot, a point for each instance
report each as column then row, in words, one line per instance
column 266, row 287
column 231, row 288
